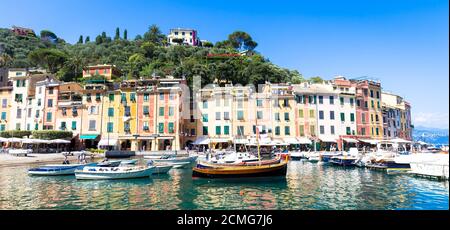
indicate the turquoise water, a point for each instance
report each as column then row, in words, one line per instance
column 307, row 186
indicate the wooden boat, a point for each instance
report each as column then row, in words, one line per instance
column 203, row 164
column 279, row 169
column 57, row 169
column 107, row 173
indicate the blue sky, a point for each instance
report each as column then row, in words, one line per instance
column 405, row 44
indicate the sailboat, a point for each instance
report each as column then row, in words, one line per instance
column 259, row 168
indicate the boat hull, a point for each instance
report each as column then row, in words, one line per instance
column 57, row 170
column 110, row 175
column 241, row 171
column 162, row 169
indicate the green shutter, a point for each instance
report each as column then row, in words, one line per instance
column 352, row 117
column 342, row 117
column 205, row 130
column 74, row 125
column 161, row 111
column 111, row 112
column 111, row 97
column 161, row 128
column 218, row 130
column 171, row 127
column 226, row 130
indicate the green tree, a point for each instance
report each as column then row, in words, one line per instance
column 5, row 60
column 154, row 35
column 242, row 41
column 117, row 37
column 135, row 64
column 88, row 39
column 125, row 34
column 316, row 79
column 52, row 59
column 80, row 40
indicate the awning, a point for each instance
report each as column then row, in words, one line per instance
column 108, row 142
column 201, row 141
column 372, row 142
column 88, row 136
column 35, row 141
column 2, row 139
column 219, row 140
column 399, row 140
column 350, row 140
column 291, row 140
column 304, row 140
column 14, row 139
column 279, row 142
column 241, row 141
column 165, row 138
column 59, row 141
column 328, row 139
column 146, row 138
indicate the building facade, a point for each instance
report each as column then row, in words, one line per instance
column 186, row 36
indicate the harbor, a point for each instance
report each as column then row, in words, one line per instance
column 307, row 185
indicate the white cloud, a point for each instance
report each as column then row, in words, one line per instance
column 431, row 120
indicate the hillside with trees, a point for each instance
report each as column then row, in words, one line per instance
column 144, row 56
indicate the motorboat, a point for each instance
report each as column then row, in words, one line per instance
column 108, row 163
column 233, row 158
column 297, row 155
column 129, row 162
column 434, row 165
column 160, row 168
column 57, row 169
column 206, row 164
column 313, row 157
column 326, row 156
column 107, row 173
column 189, row 159
column 346, row 158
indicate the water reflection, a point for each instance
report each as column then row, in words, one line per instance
column 306, row 186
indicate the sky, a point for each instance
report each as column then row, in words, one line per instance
column 404, row 44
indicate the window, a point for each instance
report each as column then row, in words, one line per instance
column 321, row 115
column 146, row 110
column 49, row 117
column 377, row 131
column 218, row 130
column 63, row 125
column 302, row 130
column 171, row 127
column 259, row 115
column 37, row 113
column 226, row 115
column 92, row 124
column 145, row 126
column 111, row 97
column 98, row 97
column 2, row 127
column 342, row 100
column 28, row 126
column 133, row 97
column 286, row 103
column 29, row 112
column 376, row 118
column 240, row 130
column 351, row 101
column 378, row 94
column 192, row 132
column 126, row 127
column 276, row 103
column 286, row 116
column 311, row 113
column 342, row 117
column 205, row 130
column 17, row 126
column 320, row 99
column 226, row 130
column 331, row 115
column 205, row 104
column 277, row 116
column 110, row 112
column 18, row 98
column 50, row 103
column 240, row 104
column 371, row 117
column 363, row 131
column 4, row 103
column 365, row 104
column 259, row 102
column 371, row 93
column 74, row 125
column 171, row 111
column 146, row 97
column 277, row 130
column 332, row 129
column 205, row 117
column 19, row 113
column 39, row 102
column 240, row 115
column 161, row 111
column 300, row 113
column 348, row 131
column 217, row 115
column 161, row 128
column 378, row 104
column 64, row 111
column 171, row 96
column 322, row 129
column 50, row 90
column 312, row 130
column 331, row 100
column 371, row 102
column 226, row 102
column 3, row 115
column 93, row 110
column 287, row 130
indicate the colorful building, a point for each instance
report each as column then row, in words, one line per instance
column 109, row 72
column 5, row 99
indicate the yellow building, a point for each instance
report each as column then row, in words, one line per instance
column 5, row 99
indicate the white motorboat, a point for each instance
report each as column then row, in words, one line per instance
column 176, row 160
column 233, row 158
column 129, row 162
column 106, row 173
column 297, row 155
column 160, row 168
column 57, row 169
column 312, row 156
column 108, row 163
